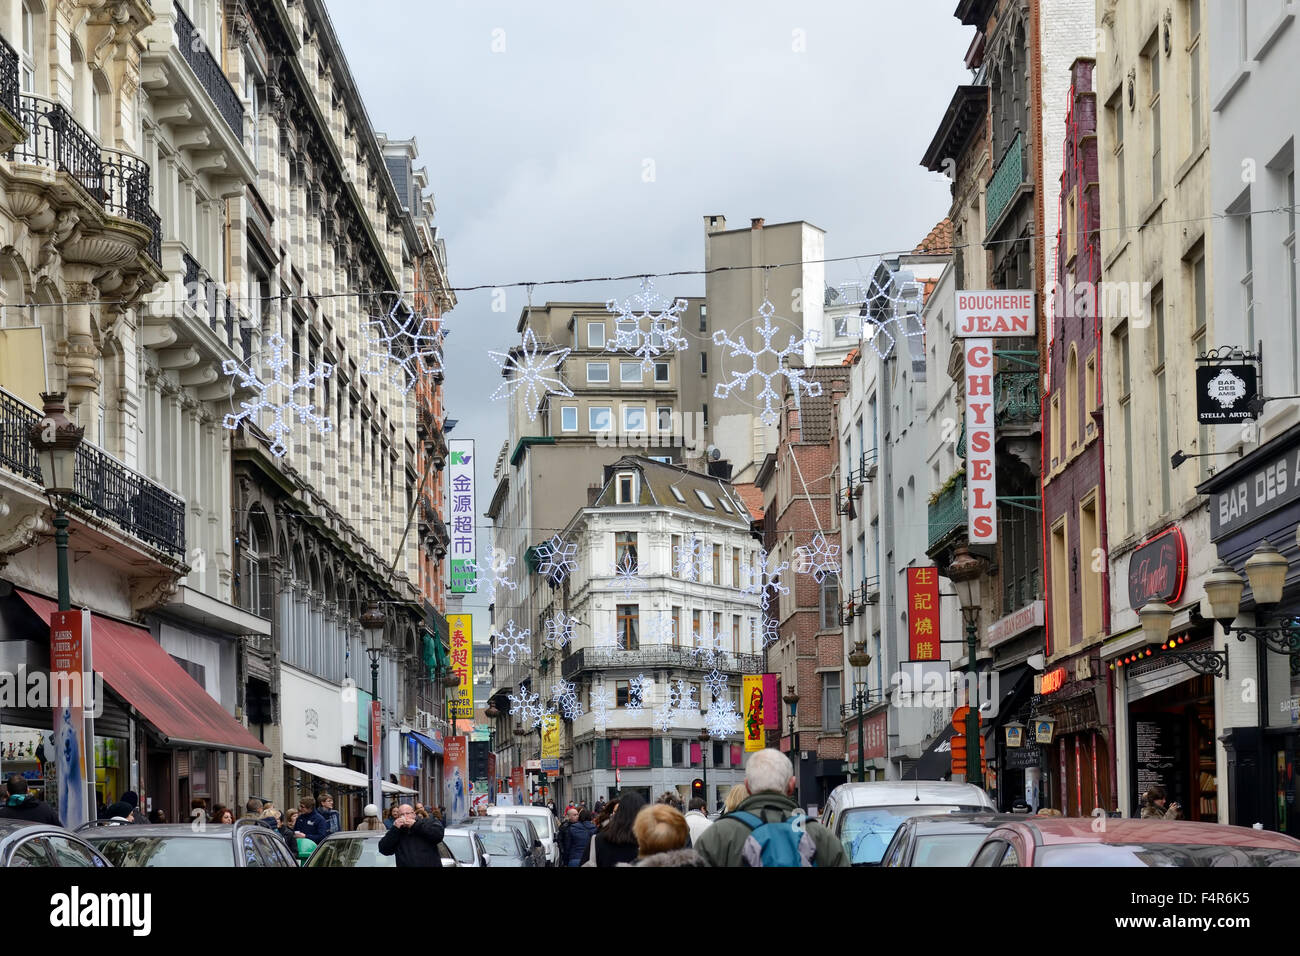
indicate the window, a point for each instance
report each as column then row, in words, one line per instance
column 599, row 418
column 1072, row 400
column 1091, row 583
column 1060, row 587
column 29, row 50
column 735, row 633
column 1126, row 406
column 704, row 363
column 735, row 567
column 830, row 700
column 675, row 542
column 634, row 418
column 677, row 494
column 595, row 336
column 629, row 372
column 253, row 92
column 1057, row 434
column 697, row 623
column 829, row 602
column 1153, row 107
column 1248, row 276
column 627, row 495
column 1116, row 109
column 677, row 626
column 625, row 547
column 664, row 417
column 661, row 371
column 622, row 693
column 628, row 632
column 1162, row 424
column 726, row 505
column 704, row 414
column 1194, row 68
column 717, row 565
column 1089, row 394
column 569, row 418
column 704, row 318
column 704, row 499
column 597, row 371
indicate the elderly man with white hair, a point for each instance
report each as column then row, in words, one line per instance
column 768, row 829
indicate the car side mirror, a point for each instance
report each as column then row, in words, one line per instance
column 448, row 862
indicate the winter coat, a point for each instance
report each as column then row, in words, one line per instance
column 686, row 857
column 30, row 810
column 575, row 845
column 290, row 840
column 722, row 843
column 697, row 822
column 332, row 821
column 1152, row 812
column 312, row 826
column 609, row 854
column 370, row 823
column 416, row 845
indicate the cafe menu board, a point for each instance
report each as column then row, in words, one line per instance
column 1160, row 757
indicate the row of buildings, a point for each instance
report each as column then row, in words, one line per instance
column 1117, row 161
column 193, row 201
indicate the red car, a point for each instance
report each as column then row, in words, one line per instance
column 1104, row 841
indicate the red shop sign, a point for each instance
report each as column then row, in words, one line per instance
column 1157, row 570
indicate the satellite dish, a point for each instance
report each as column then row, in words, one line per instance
column 714, row 453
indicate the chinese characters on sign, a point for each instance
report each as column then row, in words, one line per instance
column 873, row 738
column 755, row 735
column 461, row 705
column 923, row 614
column 460, row 515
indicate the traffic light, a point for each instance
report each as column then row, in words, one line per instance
column 697, row 789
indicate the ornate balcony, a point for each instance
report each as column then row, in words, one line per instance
column 11, row 127
column 657, row 655
column 947, row 513
column 1017, row 401
column 209, row 73
column 1005, row 183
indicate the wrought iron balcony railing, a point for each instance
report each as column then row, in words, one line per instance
column 209, row 73
column 1017, row 398
column 103, row 485
column 656, row 655
column 1006, row 179
column 8, row 77
column 948, row 511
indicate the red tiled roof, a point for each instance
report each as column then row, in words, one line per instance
column 752, row 497
column 939, row 240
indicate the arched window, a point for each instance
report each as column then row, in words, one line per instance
column 255, row 566
column 1072, row 399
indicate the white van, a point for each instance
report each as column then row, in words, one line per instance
column 544, row 820
column 865, row 816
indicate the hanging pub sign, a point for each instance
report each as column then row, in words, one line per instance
column 1227, row 383
column 1157, row 570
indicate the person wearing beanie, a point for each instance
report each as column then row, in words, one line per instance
column 371, row 818
column 22, row 805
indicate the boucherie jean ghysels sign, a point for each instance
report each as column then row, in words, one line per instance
column 1157, row 570
column 1267, row 488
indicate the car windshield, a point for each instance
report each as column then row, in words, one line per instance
column 1163, row 854
column 866, row 831
column 461, row 846
column 166, row 851
column 499, row 842
column 522, row 825
column 947, row 849
column 350, row 852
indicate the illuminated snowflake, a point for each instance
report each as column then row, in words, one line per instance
column 647, row 325
column 532, row 370
column 559, row 630
column 613, row 639
column 565, row 696
column 765, row 578
column 712, row 654
column 722, row 720
column 681, row 695
column 405, row 344
column 626, row 576
column 556, row 559
column 527, row 708
column 689, row 560
column 820, row 559
column 740, row 378
column 892, row 302
column 659, row 630
column 715, row 682
column 636, row 692
column 492, row 578
column 771, row 630
column 278, row 396
column 601, row 701
column 511, row 642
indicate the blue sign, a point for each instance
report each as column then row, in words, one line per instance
column 550, row 763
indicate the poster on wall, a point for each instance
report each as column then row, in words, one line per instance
column 1159, row 753
column 460, row 514
column 550, row 736
column 755, row 717
column 456, row 783
column 69, row 660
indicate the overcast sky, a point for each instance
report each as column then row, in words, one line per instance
column 536, row 121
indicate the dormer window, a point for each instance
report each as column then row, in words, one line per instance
column 726, row 506
column 626, row 482
column 704, row 499
column 678, row 495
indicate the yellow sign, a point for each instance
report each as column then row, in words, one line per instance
column 550, row 735
column 752, row 701
column 461, row 704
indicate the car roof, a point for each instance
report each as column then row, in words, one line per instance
column 133, row 830
column 356, row 835
column 960, row 822
column 525, row 811
column 888, row 793
column 10, row 828
column 1059, row 831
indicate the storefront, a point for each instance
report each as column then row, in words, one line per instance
column 874, row 750
column 1252, row 501
column 317, row 721
column 1073, row 755
column 1005, row 694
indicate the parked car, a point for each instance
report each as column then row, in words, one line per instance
column 466, row 846
column 865, row 816
column 543, row 821
column 508, row 846
column 1079, row 841
column 944, row 840
column 361, row 848
column 38, row 844
column 244, row 844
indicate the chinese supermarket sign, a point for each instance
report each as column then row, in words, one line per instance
column 460, row 704
column 923, row 614
column 460, row 512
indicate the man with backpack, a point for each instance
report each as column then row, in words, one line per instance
column 768, row 829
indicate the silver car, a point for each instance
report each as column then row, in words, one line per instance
column 466, row 846
column 865, row 816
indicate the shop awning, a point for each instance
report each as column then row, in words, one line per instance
column 428, row 743
column 1015, row 685
column 935, row 762
column 395, row 788
column 173, row 703
column 349, row 778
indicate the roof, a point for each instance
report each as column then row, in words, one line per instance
column 883, row 793
column 964, row 113
column 657, row 484
column 963, row 822
column 1055, row 831
column 752, row 497
column 816, row 412
column 938, row 240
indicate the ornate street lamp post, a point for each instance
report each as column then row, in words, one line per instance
column 860, row 660
column 965, row 572
column 56, row 440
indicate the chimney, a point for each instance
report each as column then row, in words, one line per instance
column 714, row 224
column 593, row 494
column 756, row 224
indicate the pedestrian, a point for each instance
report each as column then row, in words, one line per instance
column 580, row 834
column 132, row 799
column 21, row 805
column 662, row 835
column 414, row 842
column 288, row 830
column 616, row 843
column 562, row 835
column 607, row 810
column 333, row 823
column 768, row 829
column 697, row 820
column 599, row 808
column 310, row 823
column 220, row 814
column 252, row 810
column 670, row 798
column 735, row 797
column 200, row 805
column 370, row 818
column 157, row 816
column 392, row 816
column 270, row 819
column 422, row 813
column 442, row 815
column 1155, row 805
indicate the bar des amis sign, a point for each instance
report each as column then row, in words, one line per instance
column 1256, row 493
column 1157, row 570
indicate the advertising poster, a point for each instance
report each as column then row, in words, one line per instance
column 460, row 514
column 755, row 716
column 461, row 705
column 376, row 766
column 456, row 783
column 771, row 715
column 550, row 735
column 69, row 650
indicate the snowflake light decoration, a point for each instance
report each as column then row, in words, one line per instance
column 715, row 682
column 600, row 704
column 636, row 689
column 532, row 370
column 659, row 630
column 740, row 378
column 527, row 708
column 614, row 639
column 404, row 346
column 565, row 696
column 663, row 717
column 891, row 299
column 510, row 642
column 278, row 395
column 722, row 720
column 711, row 654
column 493, row 577
column 820, row 559
column 647, row 325
column 771, row 630
column 688, row 559
column 626, row 576
column 556, row 559
column 559, row 630
column 765, row 578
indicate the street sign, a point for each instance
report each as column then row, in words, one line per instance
column 550, row 763
column 1224, row 392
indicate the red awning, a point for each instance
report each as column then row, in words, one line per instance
column 180, row 711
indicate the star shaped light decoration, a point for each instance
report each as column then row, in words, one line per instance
column 532, row 369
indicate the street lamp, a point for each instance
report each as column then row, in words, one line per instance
column 792, row 701
column 56, row 440
column 617, row 777
column 1266, row 569
column 965, row 572
column 704, row 759
column 372, row 623
column 860, row 660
